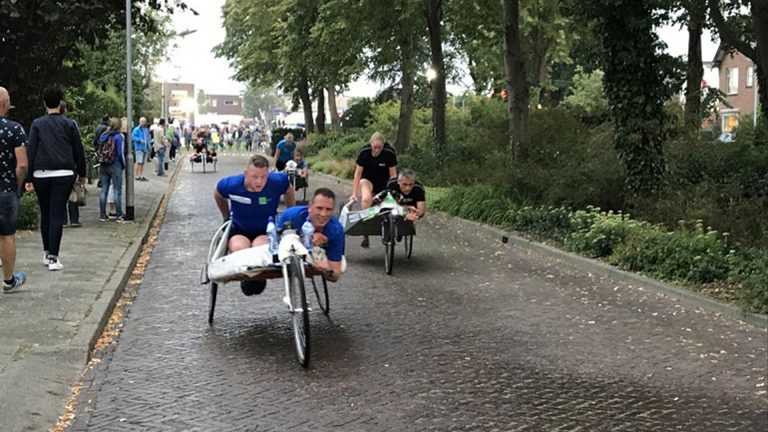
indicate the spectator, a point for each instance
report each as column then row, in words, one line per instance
column 160, row 146
column 73, row 210
column 141, row 143
column 56, row 159
column 112, row 161
column 284, row 151
column 13, row 169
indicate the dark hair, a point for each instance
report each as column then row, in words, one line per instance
column 105, row 119
column 258, row 161
column 324, row 192
column 52, row 97
column 161, row 122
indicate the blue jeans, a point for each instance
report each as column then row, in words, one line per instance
column 111, row 174
column 160, row 161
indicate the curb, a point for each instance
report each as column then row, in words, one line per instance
column 689, row 297
column 93, row 324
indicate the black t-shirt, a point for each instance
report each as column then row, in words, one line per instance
column 417, row 194
column 376, row 169
column 12, row 136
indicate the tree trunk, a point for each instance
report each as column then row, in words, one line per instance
column 335, row 120
column 517, row 84
column 320, row 120
column 697, row 14
column 433, row 10
column 306, row 104
column 408, row 77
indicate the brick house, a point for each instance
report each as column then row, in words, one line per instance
column 738, row 81
column 224, row 104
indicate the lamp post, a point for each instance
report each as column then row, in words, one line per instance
column 129, row 193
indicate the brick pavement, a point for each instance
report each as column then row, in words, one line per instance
column 48, row 325
column 470, row 334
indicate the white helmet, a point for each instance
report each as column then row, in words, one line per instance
column 290, row 165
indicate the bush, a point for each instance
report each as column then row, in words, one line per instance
column 358, row 115
column 29, row 212
column 747, row 268
column 606, row 232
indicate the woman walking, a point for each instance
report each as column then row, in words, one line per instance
column 111, row 173
column 56, row 159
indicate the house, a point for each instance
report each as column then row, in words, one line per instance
column 738, row 82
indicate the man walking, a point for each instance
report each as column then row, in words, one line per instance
column 56, row 158
column 140, row 137
column 13, row 169
column 160, row 146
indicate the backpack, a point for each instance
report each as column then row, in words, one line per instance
column 107, row 150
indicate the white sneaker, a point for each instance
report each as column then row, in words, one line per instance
column 55, row 265
column 47, row 260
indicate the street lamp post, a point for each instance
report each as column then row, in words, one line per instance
column 129, row 181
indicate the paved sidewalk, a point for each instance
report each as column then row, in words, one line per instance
column 49, row 324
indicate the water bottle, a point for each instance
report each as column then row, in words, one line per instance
column 306, row 234
column 272, row 234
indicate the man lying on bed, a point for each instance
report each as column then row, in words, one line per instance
column 250, row 199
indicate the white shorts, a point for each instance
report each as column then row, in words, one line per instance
column 141, row 157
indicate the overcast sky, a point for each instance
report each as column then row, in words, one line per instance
column 192, row 61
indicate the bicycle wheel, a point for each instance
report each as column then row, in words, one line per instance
column 300, row 311
column 212, row 301
column 322, row 297
column 388, row 237
column 408, row 241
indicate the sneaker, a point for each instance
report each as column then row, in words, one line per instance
column 112, row 215
column 18, row 280
column 55, row 265
column 253, row 287
column 365, row 243
column 121, row 220
column 103, row 219
column 75, row 224
column 47, row 260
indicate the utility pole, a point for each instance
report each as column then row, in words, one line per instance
column 129, row 181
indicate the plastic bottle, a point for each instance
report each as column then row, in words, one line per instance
column 306, row 234
column 272, row 234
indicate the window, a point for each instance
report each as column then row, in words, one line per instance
column 732, row 80
column 229, row 102
column 213, row 102
column 750, row 78
column 730, row 119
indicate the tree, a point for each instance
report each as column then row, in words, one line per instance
column 260, row 102
column 695, row 16
column 517, row 82
column 433, row 12
column 41, row 44
column 202, row 102
column 749, row 37
column 635, row 86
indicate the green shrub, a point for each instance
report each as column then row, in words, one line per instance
column 358, row 115
column 747, row 268
column 29, row 212
column 607, row 231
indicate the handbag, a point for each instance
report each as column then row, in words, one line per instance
column 80, row 193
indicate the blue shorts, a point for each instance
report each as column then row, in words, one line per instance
column 141, row 157
column 9, row 213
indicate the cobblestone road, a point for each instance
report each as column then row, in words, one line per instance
column 470, row 334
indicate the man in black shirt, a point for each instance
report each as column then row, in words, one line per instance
column 376, row 163
column 412, row 194
column 13, row 169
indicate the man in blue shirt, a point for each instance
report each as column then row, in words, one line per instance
column 141, row 143
column 329, row 234
column 250, row 199
column 284, row 151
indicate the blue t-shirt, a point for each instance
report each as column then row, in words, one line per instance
column 334, row 249
column 286, row 150
column 251, row 210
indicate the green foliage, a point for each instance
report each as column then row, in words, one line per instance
column 587, row 95
column 358, row 114
column 600, row 238
column 29, row 212
column 747, row 268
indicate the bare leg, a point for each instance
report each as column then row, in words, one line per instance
column 8, row 255
column 238, row 242
column 366, row 194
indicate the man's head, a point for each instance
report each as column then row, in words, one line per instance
column 288, row 137
column 256, row 173
column 105, row 119
column 321, row 207
column 377, row 143
column 143, row 121
column 52, row 97
column 161, row 122
column 406, row 179
column 297, row 157
column 5, row 101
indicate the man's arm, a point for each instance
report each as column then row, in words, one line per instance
column 290, row 197
column 79, row 154
column 277, row 155
column 222, row 203
column 21, row 165
column 393, row 171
